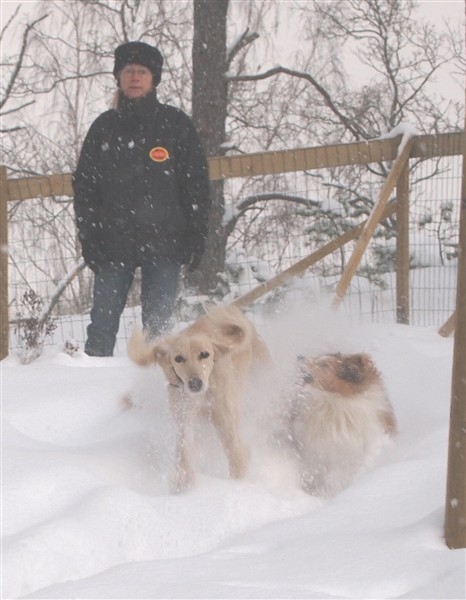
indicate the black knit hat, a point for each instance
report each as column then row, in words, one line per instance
column 141, row 54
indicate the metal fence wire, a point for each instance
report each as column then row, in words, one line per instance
column 292, row 206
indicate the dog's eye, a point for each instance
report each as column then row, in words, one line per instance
column 179, row 359
column 204, row 355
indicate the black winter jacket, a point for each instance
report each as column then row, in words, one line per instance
column 141, row 188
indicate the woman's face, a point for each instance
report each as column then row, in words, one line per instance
column 135, row 81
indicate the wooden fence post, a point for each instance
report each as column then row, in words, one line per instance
column 4, row 327
column 455, row 510
column 373, row 220
column 402, row 247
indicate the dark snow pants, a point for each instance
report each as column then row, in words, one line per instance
column 159, row 283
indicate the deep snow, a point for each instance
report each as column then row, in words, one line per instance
column 86, row 511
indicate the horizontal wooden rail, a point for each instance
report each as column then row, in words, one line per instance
column 337, row 155
column 26, row 188
column 267, row 163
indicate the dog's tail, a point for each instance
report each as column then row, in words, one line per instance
column 140, row 350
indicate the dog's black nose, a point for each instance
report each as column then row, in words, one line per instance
column 195, row 384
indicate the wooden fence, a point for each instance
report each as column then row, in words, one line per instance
column 266, row 163
column 306, row 159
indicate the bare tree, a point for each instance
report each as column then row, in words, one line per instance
column 398, row 57
column 229, row 115
column 14, row 97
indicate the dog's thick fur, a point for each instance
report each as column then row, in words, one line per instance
column 206, row 366
column 339, row 415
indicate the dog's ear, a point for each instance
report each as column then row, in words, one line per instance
column 352, row 368
column 233, row 332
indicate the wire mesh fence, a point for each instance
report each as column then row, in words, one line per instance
column 284, row 207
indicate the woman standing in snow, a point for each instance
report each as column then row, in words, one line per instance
column 141, row 198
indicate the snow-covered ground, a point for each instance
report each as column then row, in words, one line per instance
column 86, row 511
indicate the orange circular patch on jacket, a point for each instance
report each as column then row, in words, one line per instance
column 159, row 154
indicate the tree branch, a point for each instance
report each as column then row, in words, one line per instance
column 245, row 38
column 19, row 62
column 250, row 201
column 346, row 121
column 13, row 110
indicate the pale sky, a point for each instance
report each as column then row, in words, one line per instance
column 438, row 9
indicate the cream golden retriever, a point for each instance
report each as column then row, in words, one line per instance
column 206, row 366
column 339, row 416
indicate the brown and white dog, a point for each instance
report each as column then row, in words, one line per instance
column 207, row 367
column 339, row 416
